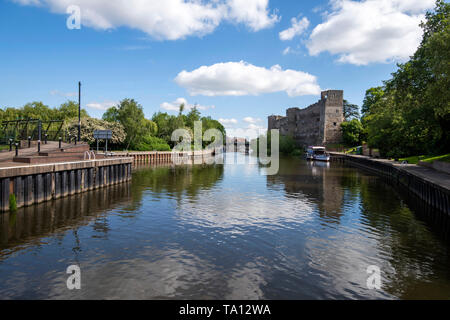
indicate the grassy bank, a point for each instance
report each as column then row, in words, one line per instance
column 427, row 158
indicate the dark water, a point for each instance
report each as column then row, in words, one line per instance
column 228, row 232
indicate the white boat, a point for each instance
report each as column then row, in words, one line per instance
column 317, row 154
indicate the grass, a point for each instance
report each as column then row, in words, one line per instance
column 427, row 158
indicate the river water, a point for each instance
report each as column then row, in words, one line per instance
column 229, row 232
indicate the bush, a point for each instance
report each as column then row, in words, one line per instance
column 89, row 125
column 12, row 202
column 287, row 145
column 150, row 143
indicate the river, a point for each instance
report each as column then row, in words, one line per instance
column 229, row 232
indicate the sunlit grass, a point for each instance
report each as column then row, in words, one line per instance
column 427, row 158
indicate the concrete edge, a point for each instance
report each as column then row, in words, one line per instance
column 24, row 170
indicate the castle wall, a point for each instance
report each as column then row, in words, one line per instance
column 318, row 124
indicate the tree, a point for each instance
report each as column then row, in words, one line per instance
column 111, row 115
column 131, row 115
column 373, row 95
column 352, row 133
column 89, row 125
column 192, row 116
column 410, row 114
column 351, row 111
column 69, row 110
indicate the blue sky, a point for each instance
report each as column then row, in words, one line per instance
column 124, row 51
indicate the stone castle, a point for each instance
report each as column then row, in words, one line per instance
column 319, row 124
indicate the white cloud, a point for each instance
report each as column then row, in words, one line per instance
column 102, row 105
column 228, row 121
column 241, row 78
column 253, row 13
column 363, row 32
column 175, row 106
column 251, row 132
column 297, row 28
column 286, row 51
column 252, row 120
column 168, row 19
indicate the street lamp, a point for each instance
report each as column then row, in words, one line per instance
column 79, row 110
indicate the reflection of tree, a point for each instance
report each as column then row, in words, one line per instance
column 312, row 180
column 176, row 180
column 418, row 260
column 32, row 224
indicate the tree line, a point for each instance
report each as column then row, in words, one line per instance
column 130, row 129
column 410, row 113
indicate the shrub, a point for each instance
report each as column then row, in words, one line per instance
column 150, row 143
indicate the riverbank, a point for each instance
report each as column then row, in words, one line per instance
column 32, row 184
column 431, row 186
column 160, row 157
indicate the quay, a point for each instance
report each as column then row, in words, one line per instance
column 161, row 157
column 429, row 185
column 33, row 184
column 53, row 173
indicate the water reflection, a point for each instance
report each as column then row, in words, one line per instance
column 313, row 180
column 228, row 232
column 29, row 224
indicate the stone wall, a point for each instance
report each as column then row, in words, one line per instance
column 318, row 124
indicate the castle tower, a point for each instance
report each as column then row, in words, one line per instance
column 333, row 116
column 318, row 124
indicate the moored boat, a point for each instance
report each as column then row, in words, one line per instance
column 317, row 153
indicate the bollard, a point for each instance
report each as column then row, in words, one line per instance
column 17, row 149
column 60, row 140
column 29, row 142
column 39, row 145
column 10, row 144
column 45, row 137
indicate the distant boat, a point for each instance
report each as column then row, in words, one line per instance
column 317, row 154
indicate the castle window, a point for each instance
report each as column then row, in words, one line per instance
column 334, row 123
column 337, row 110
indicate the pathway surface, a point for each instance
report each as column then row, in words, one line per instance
column 6, row 157
column 437, row 177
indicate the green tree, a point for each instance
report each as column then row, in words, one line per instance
column 192, row 116
column 352, row 133
column 131, row 115
column 410, row 114
column 373, row 95
column 69, row 110
column 111, row 115
column 351, row 111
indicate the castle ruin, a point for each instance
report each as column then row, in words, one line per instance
column 318, row 124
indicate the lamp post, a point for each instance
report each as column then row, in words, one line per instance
column 79, row 111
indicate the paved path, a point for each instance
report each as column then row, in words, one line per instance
column 437, row 177
column 6, row 157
